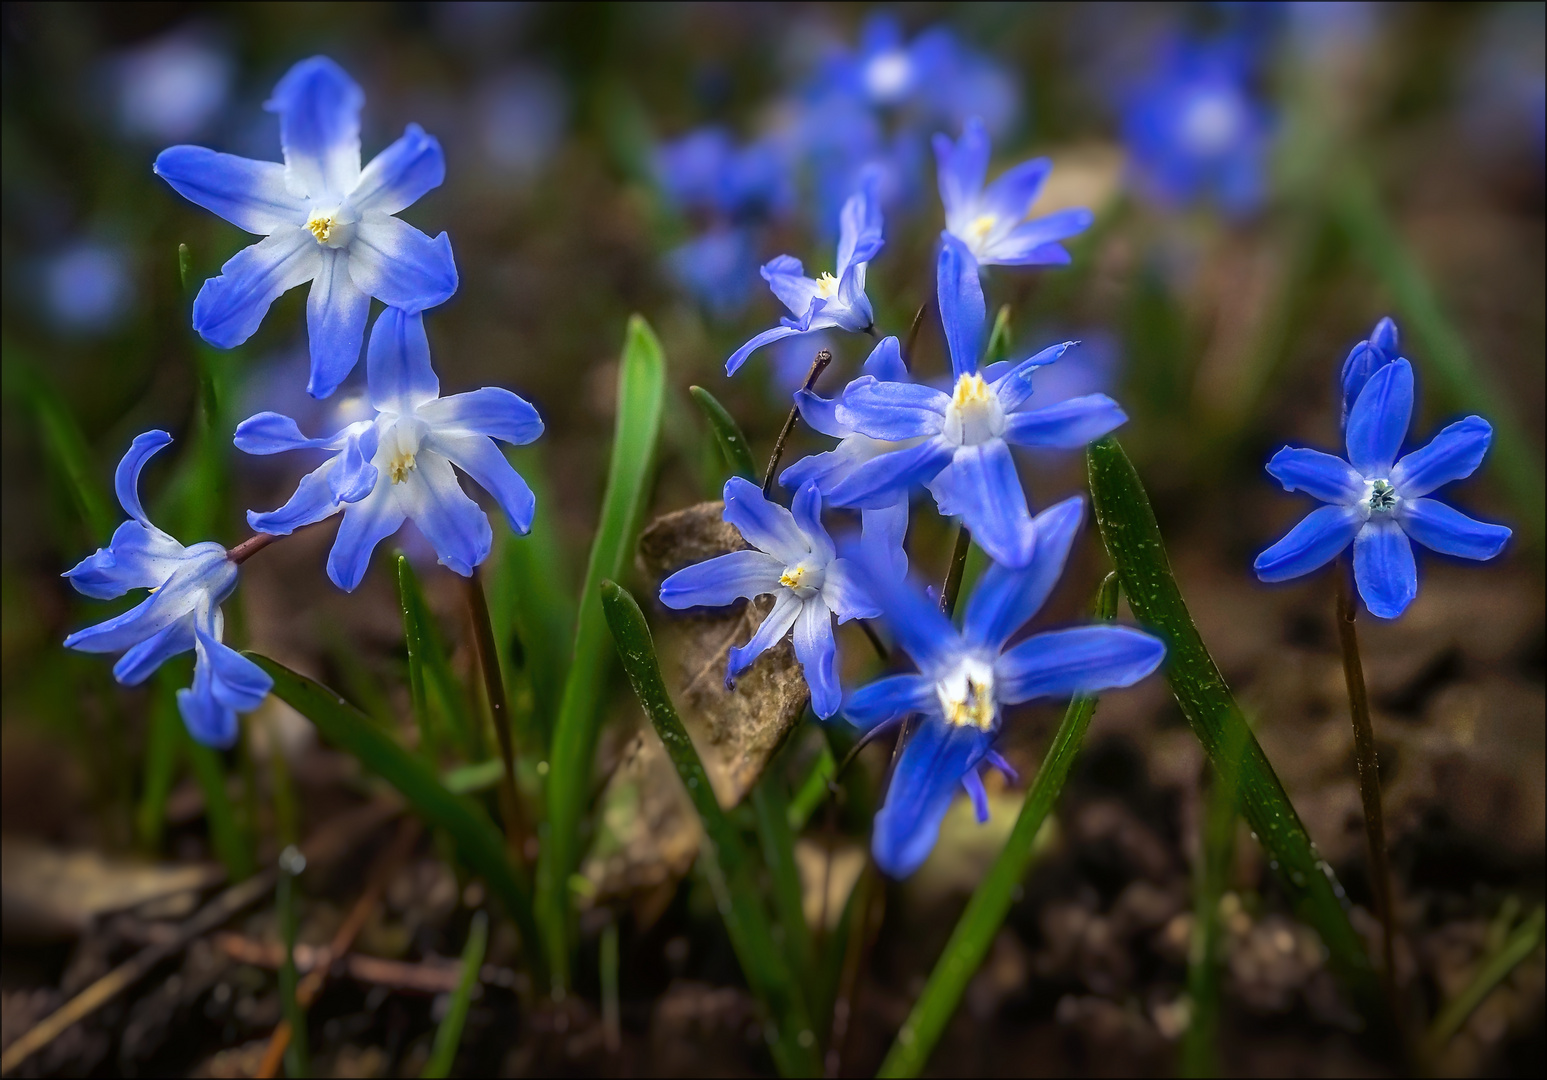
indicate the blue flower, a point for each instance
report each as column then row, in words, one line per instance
column 398, row 466
column 717, row 269
column 705, row 171
column 1365, row 359
column 187, row 586
column 323, row 219
column 1377, row 502
column 962, row 438
column 793, row 558
column 965, row 676
column 994, row 223
column 837, row 301
column 1195, row 130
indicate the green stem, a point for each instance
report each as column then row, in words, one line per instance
column 499, row 713
column 449, row 1035
column 953, row 571
column 291, row 863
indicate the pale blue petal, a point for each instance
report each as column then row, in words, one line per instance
column 1453, row 454
column 138, row 557
column 739, row 357
column 889, row 699
column 1069, row 425
column 453, row 523
column 962, row 166
column 140, row 662
column 1449, row 531
column 919, row 627
column 319, row 127
column 399, row 265
column 313, row 500
column 820, row 413
column 1005, row 598
column 126, row 479
column 1322, row 476
column 1011, row 194
column 765, row 525
column 229, row 308
column 366, row 524
column 926, row 779
column 1383, row 566
column 892, row 411
column 883, row 481
column 273, row 433
column 1035, row 243
column 1311, row 544
column 492, row 411
column 723, row 580
column 882, row 532
column 477, row 456
column 249, row 194
column 818, row 655
column 236, row 681
column 984, row 490
column 124, row 631
column 826, row 470
column 336, row 311
column 1377, row 424
column 353, row 477
column 807, row 509
column 843, row 592
column 401, row 174
column 787, row 278
column 1013, row 384
column 785, row 611
column 885, row 362
column 1085, row 660
column 962, row 310
column 208, row 721
column 859, row 226
column 397, row 363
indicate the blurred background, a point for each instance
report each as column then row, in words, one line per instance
column 1268, row 180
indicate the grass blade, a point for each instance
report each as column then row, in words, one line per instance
column 477, row 840
column 991, row 901
column 449, row 1035
column 727, row 434
column 999, row 337
column 1526, row 939
column 641, row 392
column 724, row 858
column 812, row 790
column 65, row 444
column 1199, row 1051
column 291, row 863
column 771, row 809
column 1134, row 542
column 160, row 766
column 435, row 667
column 414, row 639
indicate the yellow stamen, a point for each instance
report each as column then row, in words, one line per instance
column 792, row 578
column 321, row 227
column 977, row 709
column 982, row 226
column 826, row 286
column 971, row 389
column 399, row 467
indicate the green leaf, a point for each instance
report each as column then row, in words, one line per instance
column 771, row 809
column 449, row 1035
column 415, row 639
column 991, row 901
column 727, row 434
column 641, row 391
column 64, row 443
column 1199, row 1050
column 813, row 789
column 297, row 1058
column 160, row 766
column 724, row 858
column 1134, row 542
column 1526, row 939
column 435, row 672
column 999, row 337
column 476, row 839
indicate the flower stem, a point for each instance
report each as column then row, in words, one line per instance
column 913, row 335
column 953, row 571
column 1369, row 777
column 499, row 709
column 250, row 547
column 818, row 365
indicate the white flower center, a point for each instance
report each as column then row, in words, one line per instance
column 981, row 226
column 826, row 287
column 804, row 579
column 1212, row 122
column 1380, row 497
column 399, row 445
column 967, row 695
column 331, row 227
column 888, row 75
column 974, row 415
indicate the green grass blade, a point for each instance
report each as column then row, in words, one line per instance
column 466, row 779
column 641, row 392
column 991, row 901
column 1134, row 542
column 727, row 434
column 65, row 445
column 1526, row 939
column 160, row 767
column 435, row 667
column 449, row 1035
column 477, row 840
column 812, row 790
column 414, row 639
column 999, row 338
column 291, row 863
column 771, row 809
column 724, row 858
column 1199, row 1050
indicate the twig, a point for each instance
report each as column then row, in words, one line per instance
column 499, row 709
column 913, row 335
column 818, row 365
column 953, row 572
column 1369, row 776
column 425, row 977
column 875, row 641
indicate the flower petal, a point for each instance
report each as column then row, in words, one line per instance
column 785, row 611
column 765, row 525
column 859, row 227
column 1013, row 384
column 787, row 278
column 928, row 774
column 401, row 174
column 1084, row 660
column 739, row 357
column 882, row 532
column 884, row 480
column 397, row 363
column 138, row 557
column 207, row 720
column 1450, row 532
column 962, row 166
column 1384, row 566
column 1322, row 476
column 827, row 469
column 336, row 311
column 319, row 127
column 983, row 489
column 1453, row 454
column 477, row 456
column 885, row 361
column 1035, row 242
column 491, row 411
column 962, row 309
column 237, row 682
column 366, row 524
column 1068, row 425
column 353, row 477
column 820, row 413
column 818, row 655
column 919, row 627
column 1313, row 543
column 274, row 433
column 723, row 580
column 126, row 478
column 399, row 265
column 1011, row 194
column 892, row 411
column 313, row 500
column 1005, row 598
column 454, row 524
column 249, row 194
column 889, row 699
column 140, row 662
column 1377, row 424
column 973, row 783
column 229, row 308
column 807, row 509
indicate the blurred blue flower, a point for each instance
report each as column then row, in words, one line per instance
column 965, row 676
column 705, row 171
column 962, row 450
column 1195, row 130
column 187, row 586
column 172, row 87
column 835, row 300
column 1376, row 502
column 323, row 219
column 398, row 465
column 87, row 288
column 994, row 224
column 1365, row 359
column 525, row 112
column 792, row 558
column 717, row 269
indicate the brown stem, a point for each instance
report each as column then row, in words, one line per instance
column 913, row 335
column 1369, row 776
column 250, row 547
column 875, row 641
column 818, row 365
column 499, row 709
column 953, row 572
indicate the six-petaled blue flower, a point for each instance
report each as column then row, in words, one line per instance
column 1376, row 501
column 793, row 558
column 398, row 466
column 963, row 451
column 966, row 676
column 994, row 223
column 187, row 587
column 323, row 219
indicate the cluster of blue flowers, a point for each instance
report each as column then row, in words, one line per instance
column 325, row 220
